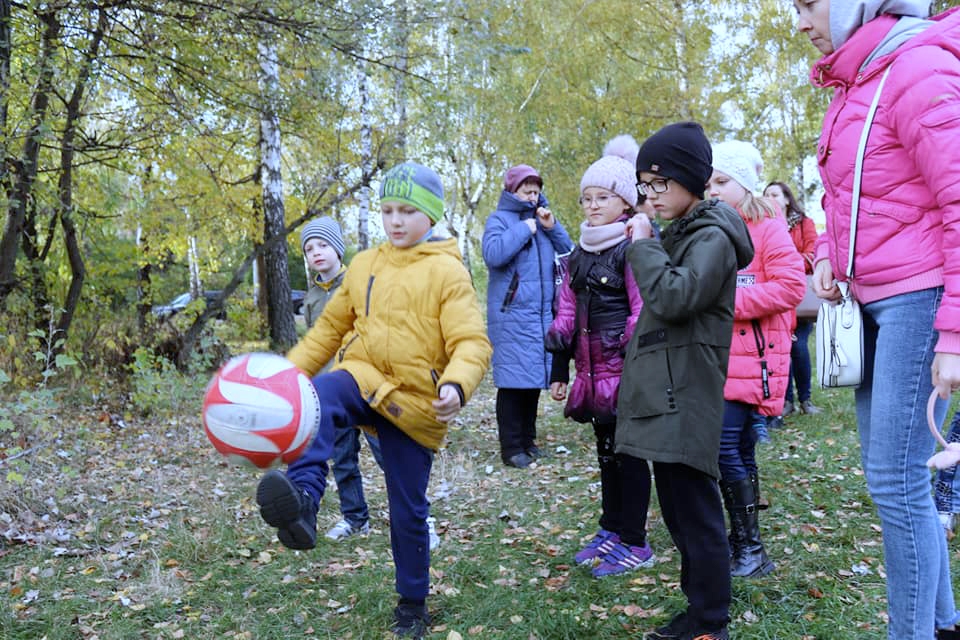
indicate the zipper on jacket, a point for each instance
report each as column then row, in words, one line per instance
column 369, row 291
column 511, row 291
column 764, row 374
column 343, row 349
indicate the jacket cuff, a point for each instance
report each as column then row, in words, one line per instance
column 948, row 342
column 459, row 389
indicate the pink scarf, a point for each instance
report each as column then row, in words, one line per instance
column 597, row 239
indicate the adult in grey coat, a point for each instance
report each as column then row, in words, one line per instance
column 520, row 241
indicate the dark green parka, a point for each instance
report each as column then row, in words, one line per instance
column 670, row 406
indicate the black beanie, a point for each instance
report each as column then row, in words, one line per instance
column 681, row 152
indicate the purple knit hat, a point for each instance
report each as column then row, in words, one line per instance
column 615, row 171
column 516, row 176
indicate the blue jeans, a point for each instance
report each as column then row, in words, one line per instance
column 800, row 370
column 346, row 470
column 947, row 487
column 894, row 446
column 738, row 442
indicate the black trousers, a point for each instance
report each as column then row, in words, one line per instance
column 516, row 419
column 633, row 475
column 693, row 512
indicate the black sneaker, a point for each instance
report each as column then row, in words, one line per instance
column 534, row 452
column 288, row 508
column 519, row 460
column 706, row 634
column 410, row 621
column 670, row 631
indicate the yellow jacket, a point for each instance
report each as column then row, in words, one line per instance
column 402, row 323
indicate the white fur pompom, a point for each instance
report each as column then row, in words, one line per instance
column 623, row 146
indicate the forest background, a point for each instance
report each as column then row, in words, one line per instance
column 151, row 148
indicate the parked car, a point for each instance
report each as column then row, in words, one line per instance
column 296, row 297
column 178, row 304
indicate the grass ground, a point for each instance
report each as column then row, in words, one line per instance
column 130, row 527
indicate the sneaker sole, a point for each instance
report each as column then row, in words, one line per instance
column 643, row 565
column 279, row 503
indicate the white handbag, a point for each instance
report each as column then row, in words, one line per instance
column 840, row 342
column 840, row 324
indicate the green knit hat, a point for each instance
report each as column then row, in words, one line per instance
column 415, row 185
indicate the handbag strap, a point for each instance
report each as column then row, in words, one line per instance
column 858, row 171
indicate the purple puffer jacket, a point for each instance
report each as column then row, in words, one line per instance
column 597, row 310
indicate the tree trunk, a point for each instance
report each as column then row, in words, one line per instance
column 400, row 88
column 27, row 165
column 78, row 269
column 366, row 162
column 6, row 53
column 283, row 329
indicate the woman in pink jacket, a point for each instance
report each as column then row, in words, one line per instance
column 768, row 290
column 906, row 268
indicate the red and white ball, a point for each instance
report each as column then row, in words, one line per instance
column 260, row 409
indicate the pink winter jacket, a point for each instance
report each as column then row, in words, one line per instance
column 768, row 290
column 908, row 235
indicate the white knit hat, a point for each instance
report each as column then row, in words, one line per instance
column 739, row 160
column 616, row 170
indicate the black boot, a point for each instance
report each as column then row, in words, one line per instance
column 749, row 557
column 735, row 537
column 755, row 481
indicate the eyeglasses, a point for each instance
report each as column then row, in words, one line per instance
column 601, row 201
column 657, row 185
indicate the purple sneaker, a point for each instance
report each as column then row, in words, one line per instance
column 623, row 558
column 601, row 545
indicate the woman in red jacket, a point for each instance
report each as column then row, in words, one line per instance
column 768, row 290
column 804, row 235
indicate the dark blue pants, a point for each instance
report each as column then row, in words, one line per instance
column 800, row 369
column 738, row 442
column 346, row 469
column 406, row 469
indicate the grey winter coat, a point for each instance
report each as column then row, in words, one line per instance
column 520, row 291
column 318, row 294
column 670, row 406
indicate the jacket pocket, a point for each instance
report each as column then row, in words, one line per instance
column 602, row 276
column 903, row 213
column 650, row 392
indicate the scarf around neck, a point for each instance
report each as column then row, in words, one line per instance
column 596, row 239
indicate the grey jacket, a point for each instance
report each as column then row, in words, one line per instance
column 318, row 294
column 670, row 405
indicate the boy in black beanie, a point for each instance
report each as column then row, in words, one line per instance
column 670, row 406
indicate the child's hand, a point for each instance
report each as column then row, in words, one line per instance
column 447, row 404
column 546, row 217
column 530, row 222
column 638, row 228
column 558, row 390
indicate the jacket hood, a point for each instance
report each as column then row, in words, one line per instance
column 884, row 35
column 846, row 16
column 510, row 202
column 714, row 213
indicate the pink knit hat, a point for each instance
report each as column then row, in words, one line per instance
column 516, row 176
column 616, row 170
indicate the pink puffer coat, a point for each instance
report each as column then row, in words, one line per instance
column 768, row 290
column 908, row 236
